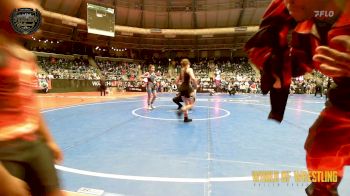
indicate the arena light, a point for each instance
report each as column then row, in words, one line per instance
column 69, row 23
column 127, row 33
column 127, row 30
column 169, row 36
column 157, row 31
column 241, row 29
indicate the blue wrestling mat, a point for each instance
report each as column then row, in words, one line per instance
column 121, row 148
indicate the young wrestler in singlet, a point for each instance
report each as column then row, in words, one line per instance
column 186, row 91
column 151, row 86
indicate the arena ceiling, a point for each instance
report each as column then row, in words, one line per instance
column 162, row 14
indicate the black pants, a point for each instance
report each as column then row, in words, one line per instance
column 318, row 90
column 31, row 161
column 323, row 189
column 232, row 91
column 278, row 99
column 177, row 100
column 103, row 90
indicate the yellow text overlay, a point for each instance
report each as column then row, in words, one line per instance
column 271, row 176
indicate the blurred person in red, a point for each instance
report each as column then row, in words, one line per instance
column 320, row 40
column 27, row 149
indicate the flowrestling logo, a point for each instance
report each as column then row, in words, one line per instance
column 25, row 20
column 323, row 14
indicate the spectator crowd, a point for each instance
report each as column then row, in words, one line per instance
column 219, row 75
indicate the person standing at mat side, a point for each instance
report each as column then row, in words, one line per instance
column 27, row 149
column 103, row 86
column 318, row 42
column 185, row 89
column 151, row 86
column 318, row 87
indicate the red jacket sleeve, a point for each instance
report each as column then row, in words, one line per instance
column 272, row 34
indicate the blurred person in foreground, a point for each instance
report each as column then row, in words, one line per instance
column 27, row 149
column 320, row 40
